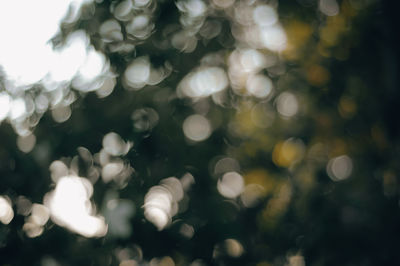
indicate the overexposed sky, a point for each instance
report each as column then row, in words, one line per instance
column 26, row 26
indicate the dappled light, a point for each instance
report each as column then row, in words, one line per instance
column 230, row 185
column 27, row 64
column 161, row 202
column 114, row 145
column 70, row 206
column 196, row 128
column 73, row 63
column 204, row 82
column 26, row 143
column 224, row 165
column 198, row 132
column 138, row 73
column 34, row 224
column 6, row 211
column 288, row 152
column 229, row 247
column 296, row 260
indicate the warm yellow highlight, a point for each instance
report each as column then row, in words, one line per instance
column 287, row 152
column 262, row 178
column 318, row 75
column 298, row 34
column 276, row 206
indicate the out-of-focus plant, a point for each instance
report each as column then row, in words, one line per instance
column 196, row 132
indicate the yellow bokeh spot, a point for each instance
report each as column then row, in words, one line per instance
column 336, row 23
column 298, row 33
column 288, row 152
column 329, row 37
column 262, row 178
column 331, row 33
column 244, row 121
column 276, row 207
column 318, row 75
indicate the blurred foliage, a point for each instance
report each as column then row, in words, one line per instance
column 319, row 156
